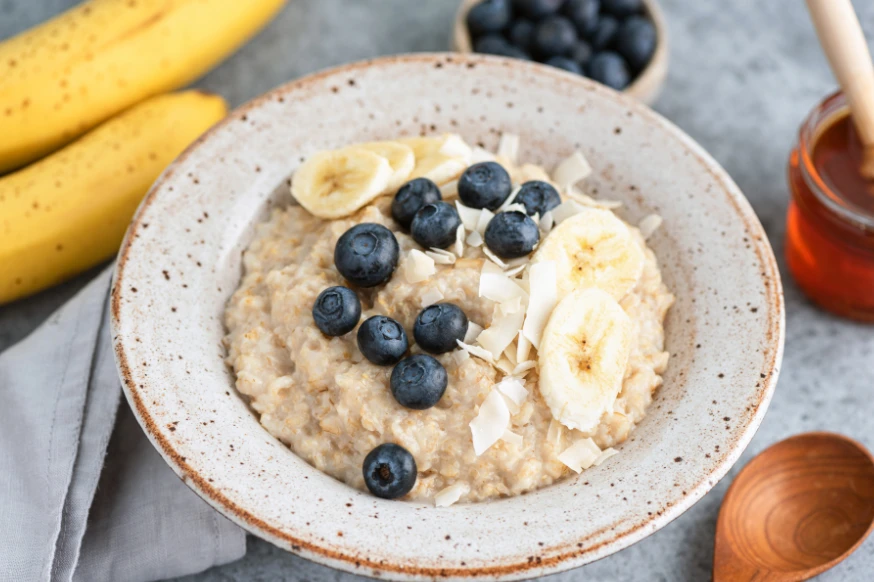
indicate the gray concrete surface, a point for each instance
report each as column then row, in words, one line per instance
column 743, row 75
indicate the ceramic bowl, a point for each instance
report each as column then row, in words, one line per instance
column 646, row 87
column 181, row 260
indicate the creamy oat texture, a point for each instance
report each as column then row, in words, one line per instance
column 331, row 406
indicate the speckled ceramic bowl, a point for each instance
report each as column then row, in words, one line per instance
column 181, row 261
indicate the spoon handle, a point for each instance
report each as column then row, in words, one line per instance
column 844, row 44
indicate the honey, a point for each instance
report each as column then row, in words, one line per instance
column 830, row 223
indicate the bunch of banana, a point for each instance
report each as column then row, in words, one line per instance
column 102, row 60
column 69, row 211
column 336, row 183
column 62, row 78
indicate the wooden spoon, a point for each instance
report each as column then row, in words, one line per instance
column 796, row 510
column 844, row 44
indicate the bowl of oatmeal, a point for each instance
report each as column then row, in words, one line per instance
column 386, row 313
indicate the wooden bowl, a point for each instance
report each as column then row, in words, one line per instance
column 796, row 510
column 646, row 87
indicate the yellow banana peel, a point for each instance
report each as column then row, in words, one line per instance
column 69, row 211
column 62, row 78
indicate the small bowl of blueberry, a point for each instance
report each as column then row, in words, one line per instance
column 619, row 43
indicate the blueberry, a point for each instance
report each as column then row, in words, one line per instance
column 411, row 197
column 621, row 8
column 566, row 64
column 484, row 185
column 367, row 254
column 605, row 33
column 511, row 235
column 435, row 224
column 636, row 41
column 537, row 197
column 418, row 382
column 583, row 13
column 610, row 69
column 581, row 53
column 553, row 36
column 438, row 327
column 389, row 471
column 488, row 16
column 520, row 33
column 337, row 310
column 537, row 9
column 382, row 340
column 495, row 44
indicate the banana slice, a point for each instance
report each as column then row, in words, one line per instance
column 400, row 157
column 593, row 249
column 583, row 356
column 336, row 183
column 440, row 159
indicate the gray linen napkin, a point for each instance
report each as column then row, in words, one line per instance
column 83, row 494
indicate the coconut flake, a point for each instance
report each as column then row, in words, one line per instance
column 580, row 455
column 605, row 454
column 510, row 273
column 505, row 366
column 513, row 305
column 449, row 189
column 418, row 266
column 523, row 367
column 455, row 147
column 570, row 171
column 554, row 432
column 431, row 297
column 495, row 258
column 543, row 295
column 461, row 356
column 523, row 348
column 474, row 239
column 514, row 389
column 649, row 225
column 516, row 207
column 546, row 222
column 510, row 354
column 587, row 200
column 476, row 351
column 565, row 210
column 459, row 241
column 473, row 331
column 512, row 438
column 469, row 216
column 508, row 201
column 441, row 258
column 501, row 333
column 485, row 215
column 449, row 495
column 498, row 288
column 479, row 154
column 490, row 423
column 508, row 147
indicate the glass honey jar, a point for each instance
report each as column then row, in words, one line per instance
column 830, row 223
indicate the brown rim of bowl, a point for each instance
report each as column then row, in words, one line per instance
column 646, row 87
column 566, row 556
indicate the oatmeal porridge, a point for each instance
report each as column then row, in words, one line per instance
column 540, row 349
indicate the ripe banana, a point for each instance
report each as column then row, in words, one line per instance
column 69, row 211
column 336, row 183
column 593, row 249
column 583, row 356
column 60, row 79
column 400, row 157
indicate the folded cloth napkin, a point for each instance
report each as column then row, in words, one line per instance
column 83, row 494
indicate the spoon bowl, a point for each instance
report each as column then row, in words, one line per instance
column 796, row 510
